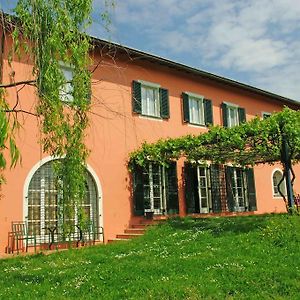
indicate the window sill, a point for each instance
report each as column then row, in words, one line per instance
column 278, row 197
column 152, row 118
column 196, row 125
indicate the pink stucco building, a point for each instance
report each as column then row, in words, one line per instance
column 139, row 97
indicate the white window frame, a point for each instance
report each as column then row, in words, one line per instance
column 66, row 89
column 207, row 189
column 200, row 112
column 243, row 188
column 43, row 236
column 147, row 87
column 162, row 190
column 275, row 191
column 230, row 121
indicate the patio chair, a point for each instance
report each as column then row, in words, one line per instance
column 20, row 236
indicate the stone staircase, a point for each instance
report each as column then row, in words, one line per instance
column 133, row 231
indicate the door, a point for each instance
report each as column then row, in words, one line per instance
column 154, row 189
column 203, row 190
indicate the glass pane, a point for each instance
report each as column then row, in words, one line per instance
column 241, row 201
column 34, row 228
column 50, row 198
column 157, row 203
column 156, row 192
column 50, row 213
column 202, row 171
column 203, row 182
column 204, row 203
column 203, row 192
column 49, row 183
column 194, row 111
column 240, row 192
column 34, row 198
column 87, row 211
column 144, row 101
column 150, row 101
column 34, row 212
column 233, row 116
column 146, row 192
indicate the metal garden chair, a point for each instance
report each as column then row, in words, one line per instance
column 20, row 236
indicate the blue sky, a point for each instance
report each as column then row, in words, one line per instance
column 252, row 41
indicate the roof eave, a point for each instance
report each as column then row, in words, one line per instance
column 181, row 67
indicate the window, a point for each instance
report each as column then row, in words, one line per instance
column 149, row 99
column 154, row 185
column 196, row 109
column 67, row 88
column 265, row 115
column 155, row 189
column 216, row 188
column 202, row 188
column 276, row 179
column 233, row 115
column 240, row 189
column 43, row 203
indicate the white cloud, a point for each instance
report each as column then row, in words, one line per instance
column 253, row 39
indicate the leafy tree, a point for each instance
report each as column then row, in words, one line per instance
column 51, row 33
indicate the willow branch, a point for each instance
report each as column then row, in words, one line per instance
column 20, row 111
column 26, row 82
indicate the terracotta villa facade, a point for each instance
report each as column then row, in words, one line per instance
column 139, row 97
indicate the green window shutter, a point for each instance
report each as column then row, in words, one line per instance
column 138, row 191
column 242, row 115
column 164, row 103
column 137, row 97
column 186, row 109
column 229, row 187
column 251, row 189
column 172, row 189
column 191, row 188
column 225, row 114
column 215, row 182
column 208, row 112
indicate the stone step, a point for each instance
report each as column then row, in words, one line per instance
column 135, row 230
column 128, row 235
column 147, row 222
column 117, row 240
column 139, row 226
column 151, row 222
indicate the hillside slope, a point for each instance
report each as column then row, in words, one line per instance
column 254, row 257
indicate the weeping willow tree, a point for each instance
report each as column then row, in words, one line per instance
column 52, row 34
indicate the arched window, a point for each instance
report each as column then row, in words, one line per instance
column 276, row 178
column 43, row 202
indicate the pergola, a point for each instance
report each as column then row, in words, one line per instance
column 275, row 139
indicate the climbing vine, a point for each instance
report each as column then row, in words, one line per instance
column 275, row 139
column 253, row 142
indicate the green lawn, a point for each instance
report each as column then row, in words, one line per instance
column 253, row 257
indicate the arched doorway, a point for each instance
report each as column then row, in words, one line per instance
column 42, row 207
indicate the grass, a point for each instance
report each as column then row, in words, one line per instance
column 254, row 257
